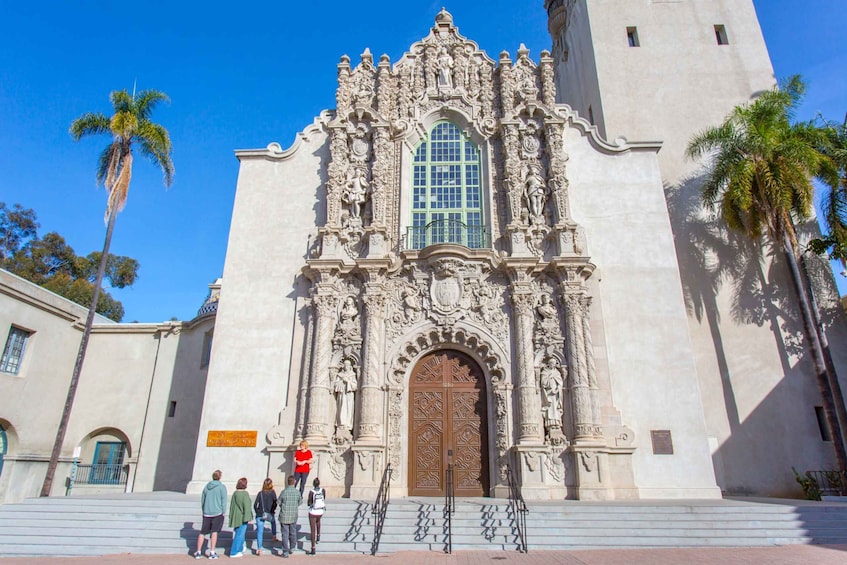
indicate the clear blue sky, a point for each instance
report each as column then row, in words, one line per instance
column 241, row 75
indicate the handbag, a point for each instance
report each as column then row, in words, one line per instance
column 266, row 516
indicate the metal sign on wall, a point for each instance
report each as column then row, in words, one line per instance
column 231, row 438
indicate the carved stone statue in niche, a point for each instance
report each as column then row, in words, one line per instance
column 349, row 315
column 552, row 382
column 548, row 316
column 412, row 308
column 535, row 192
column 445, row 69
column 356, row 193
column 344, row 386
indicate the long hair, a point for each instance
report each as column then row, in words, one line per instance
column 316, row 483
column 268, row 484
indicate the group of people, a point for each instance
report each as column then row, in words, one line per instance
column 263, row 508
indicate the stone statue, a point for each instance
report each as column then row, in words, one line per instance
column 548, row 316
column 356, row 192
column 535, row 192
column 552, row 383
column 349, row 313
column 445, row 68
column 344, row 387
column 411, row 304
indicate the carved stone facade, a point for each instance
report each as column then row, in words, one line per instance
column 520, row 308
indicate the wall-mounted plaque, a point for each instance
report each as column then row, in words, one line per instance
column 231, row 438
column 662, row 442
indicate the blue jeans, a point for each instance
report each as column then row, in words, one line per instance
column 300, row 478
column 238, row 539
column 260, row 529
column 289, row 538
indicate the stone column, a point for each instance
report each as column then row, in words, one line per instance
column 529, row 403
column 597, row 428
column 370, row 417
column 580, row 391
column 325, row 301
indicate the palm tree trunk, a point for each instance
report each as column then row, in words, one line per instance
column 80, row 357
column 832, row 373
column 815, row 349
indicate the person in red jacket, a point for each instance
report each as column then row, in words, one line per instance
column 302, row 460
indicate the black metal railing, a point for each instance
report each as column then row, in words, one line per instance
column 449, row 508
column 383, row 497
column 830, row 483
column 447, row 231
column 518, row 509
column 101, row 474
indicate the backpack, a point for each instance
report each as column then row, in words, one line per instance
column 318, row 502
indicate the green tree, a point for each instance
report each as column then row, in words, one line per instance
column 129, row 126
column 834, row 204
column 51, row 263
column 17, row 226
column 760, row 177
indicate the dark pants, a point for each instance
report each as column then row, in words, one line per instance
column 300, row 479
column 289, row 538
column 315, row 528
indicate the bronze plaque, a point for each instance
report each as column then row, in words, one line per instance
column 231, row 438
column 662, row 442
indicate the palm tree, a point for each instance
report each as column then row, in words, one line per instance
column 129, row 126
column 760, row 177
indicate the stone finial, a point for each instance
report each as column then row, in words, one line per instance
column 367, row 57
column 523, row 52
column 444, row 17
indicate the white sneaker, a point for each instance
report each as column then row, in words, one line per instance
column 213, row 555
column 234, row 555
column 198, row 555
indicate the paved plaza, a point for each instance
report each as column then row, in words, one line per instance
column 784, row 555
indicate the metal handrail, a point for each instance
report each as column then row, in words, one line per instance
column 519, row 510
column 447, row 231
column 100, row 474
column 380, row 508
column 830, row 482
column 449, row 507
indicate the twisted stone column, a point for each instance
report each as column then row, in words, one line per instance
column 580, row 391
column 529, row 403
column 370, row 417
column 597, row 428
column 317, row 421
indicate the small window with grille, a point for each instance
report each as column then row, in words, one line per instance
column 632, row 36
column 13, row 352
column 720, row 35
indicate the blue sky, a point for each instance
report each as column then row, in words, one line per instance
column 241, row 76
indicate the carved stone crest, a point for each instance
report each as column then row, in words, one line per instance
column 446, row 286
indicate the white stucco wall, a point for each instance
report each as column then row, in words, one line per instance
column 276, row 212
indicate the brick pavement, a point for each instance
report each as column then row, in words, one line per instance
column 784, row 555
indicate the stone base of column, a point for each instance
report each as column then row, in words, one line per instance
column 603, row 473
column 368, row 467
column 541, row 473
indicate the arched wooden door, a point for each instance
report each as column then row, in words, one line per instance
column 447, row 423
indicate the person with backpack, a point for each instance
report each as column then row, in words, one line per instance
column 317, row 507
column 265, row 508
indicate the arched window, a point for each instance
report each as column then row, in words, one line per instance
column 446, row 191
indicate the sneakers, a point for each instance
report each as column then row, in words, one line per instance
column 198, row 555
column 234, row 555
column 318, row 538
column 213, row 555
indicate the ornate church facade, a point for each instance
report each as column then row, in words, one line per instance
column 457, row 269
column 454, row 269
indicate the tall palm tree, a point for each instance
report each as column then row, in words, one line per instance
column 129, row 126
column 760, row 177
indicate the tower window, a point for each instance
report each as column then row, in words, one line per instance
column 720, row 35
column 632, row 36
column 823, row 426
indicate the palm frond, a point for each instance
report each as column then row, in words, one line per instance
column 89, row 123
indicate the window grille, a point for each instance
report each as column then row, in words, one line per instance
column 14, row 350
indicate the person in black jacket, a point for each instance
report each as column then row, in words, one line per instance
column 317, row 507
column 265, row 507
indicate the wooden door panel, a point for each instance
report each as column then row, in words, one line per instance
column 448, row 414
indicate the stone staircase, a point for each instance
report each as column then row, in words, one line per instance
column 167, row 523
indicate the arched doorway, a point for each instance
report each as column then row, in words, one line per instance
column 4, row 445
column 447, row 424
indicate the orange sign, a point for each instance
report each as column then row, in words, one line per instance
column 231, row 438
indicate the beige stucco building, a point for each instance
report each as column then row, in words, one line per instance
column 494, row 264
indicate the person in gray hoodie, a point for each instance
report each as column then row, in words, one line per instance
column 213, row 503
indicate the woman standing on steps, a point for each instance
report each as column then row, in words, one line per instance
column 240, row 515
column 265, row 509
column 317, row 507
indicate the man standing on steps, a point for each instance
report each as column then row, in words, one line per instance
column 213, row 503
column 290, row 500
